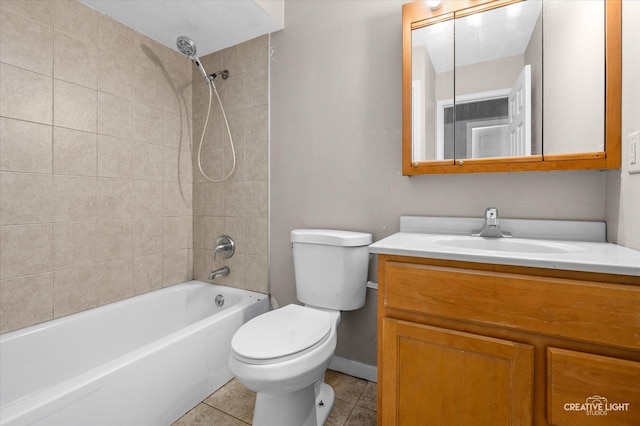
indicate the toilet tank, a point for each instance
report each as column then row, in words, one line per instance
column 331, row 267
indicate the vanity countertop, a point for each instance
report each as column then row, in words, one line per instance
column 587, row 252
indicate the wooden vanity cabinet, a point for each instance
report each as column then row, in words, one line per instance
column 463, row 343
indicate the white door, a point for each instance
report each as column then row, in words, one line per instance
column 520, row 114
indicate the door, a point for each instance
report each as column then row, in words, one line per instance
column 520, row 114
column 437, row 376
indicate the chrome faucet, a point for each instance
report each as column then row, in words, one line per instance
column 220, row 272
column 491, row 225
column 224, row 244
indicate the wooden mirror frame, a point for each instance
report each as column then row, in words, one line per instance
column 418, row 14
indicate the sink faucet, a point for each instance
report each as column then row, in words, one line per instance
column 491, row 225
column 220, row 272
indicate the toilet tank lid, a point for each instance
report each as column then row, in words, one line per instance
column 331, row 237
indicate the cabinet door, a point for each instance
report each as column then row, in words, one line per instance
column 585, row 389
column 434, row 376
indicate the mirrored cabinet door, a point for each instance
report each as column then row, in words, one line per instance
column 511, row 85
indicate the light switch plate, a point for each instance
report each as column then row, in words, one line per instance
column 634, row 152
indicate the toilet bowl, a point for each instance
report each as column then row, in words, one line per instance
column 282, row 355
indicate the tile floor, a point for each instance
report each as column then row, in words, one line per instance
column 232, row 405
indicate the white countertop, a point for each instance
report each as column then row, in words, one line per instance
column 564, row 253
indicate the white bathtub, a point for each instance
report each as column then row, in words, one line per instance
column 141, row 361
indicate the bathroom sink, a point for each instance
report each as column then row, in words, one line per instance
column 509, row 245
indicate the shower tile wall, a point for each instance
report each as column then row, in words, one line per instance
column 239, row 206
column 95, row 162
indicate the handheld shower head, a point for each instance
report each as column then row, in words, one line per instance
column 187, row 47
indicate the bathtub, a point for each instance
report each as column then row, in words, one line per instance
column 146, row 360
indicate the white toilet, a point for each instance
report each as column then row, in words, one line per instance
column 283, row 354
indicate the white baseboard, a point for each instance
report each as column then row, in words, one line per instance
column 354, row 368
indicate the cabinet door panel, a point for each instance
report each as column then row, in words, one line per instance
column 586, row 389
column 431, row 373
column 592, row 312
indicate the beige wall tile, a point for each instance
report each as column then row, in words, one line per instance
column 115, row 74
column 25, row 146
column 257, row 86
column 25, row 198
column 38, row 10
column 147, row 236
column 115, row 37
column 257, row 52
column 148, row 161
column 77, row 20
column 147, row 273
column 75, row 198
column 115, row 240
column 75, row 107
column 256, row 125
column 232, row 92
column 116, row 280
column 148, row 85
column 76, row 290
column 177, row 129
column 25, row 301
column 176, row 267
column 74, row 244
column 256, row 199
column 115, row 116
column 25, row 250
column 257, row 162
column 148, row 198
column 257, row 274
column 237, row 275
column 115, row 157
column 74, row 152
column 75, row 61
column 148, row 124
column 25, row 43
column 215, row 199
column 257, row 236
column 214, row 227
column 25, row 95
column 115, row 198
column 235, row 228
column 199, row 229
column 177, row 232
column 178, row 198
column 234, row 199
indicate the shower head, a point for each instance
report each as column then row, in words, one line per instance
column 187, row 47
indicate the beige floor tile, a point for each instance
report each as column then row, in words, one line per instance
column 339, row 413
column 204, row 415
column 369, row 397
column 362, row 417
column 347, row 388
column 234, row 399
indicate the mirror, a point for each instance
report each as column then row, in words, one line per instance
column 476, row 75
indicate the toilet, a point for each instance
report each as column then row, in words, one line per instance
column 282, row 355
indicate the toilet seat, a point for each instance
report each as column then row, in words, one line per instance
column 281, row 334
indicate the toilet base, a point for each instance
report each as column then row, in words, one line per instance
column 309, row 406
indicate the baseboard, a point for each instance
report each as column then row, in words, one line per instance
column 354, row 368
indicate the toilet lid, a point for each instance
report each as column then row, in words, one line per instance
column 281, row 332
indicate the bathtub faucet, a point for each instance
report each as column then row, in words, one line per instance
column 491, row 225
column 226, row 245
column 220, row 272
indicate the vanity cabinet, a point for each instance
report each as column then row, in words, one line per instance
column 463, row 343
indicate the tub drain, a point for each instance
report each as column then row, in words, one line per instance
column 219, row 300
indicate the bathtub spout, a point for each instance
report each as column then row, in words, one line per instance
column 220, row 272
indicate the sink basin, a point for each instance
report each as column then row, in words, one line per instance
column 509, row 245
